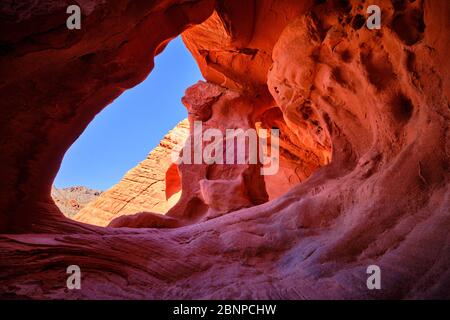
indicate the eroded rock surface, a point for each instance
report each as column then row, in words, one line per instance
column 365, row 120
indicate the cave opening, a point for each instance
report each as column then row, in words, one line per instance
column 122, row 156
column 156, row 192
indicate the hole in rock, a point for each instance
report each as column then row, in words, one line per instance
column 124, row 163
column 409, row 26
column 121, row 163
column 304, row 146
column 402, row 108
column 173, row 185
column 358, row 22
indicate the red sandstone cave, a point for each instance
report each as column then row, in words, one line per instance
column 364, row 121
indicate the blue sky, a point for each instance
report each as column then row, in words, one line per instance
column 124, row 133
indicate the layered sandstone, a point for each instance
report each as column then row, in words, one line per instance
column 365, row 119
column 153, row 185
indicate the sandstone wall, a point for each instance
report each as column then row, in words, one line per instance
column 143, row 188
column 369, row 107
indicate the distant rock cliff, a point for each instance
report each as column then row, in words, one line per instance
column 71, row 200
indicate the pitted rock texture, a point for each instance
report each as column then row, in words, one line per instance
column 153, row 185
column 365, row 115
column 210, row 190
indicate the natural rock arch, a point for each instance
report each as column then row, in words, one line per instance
column 381, row 97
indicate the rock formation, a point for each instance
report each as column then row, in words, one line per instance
column 73, row 199
column 364, row 120
column 153, row 185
